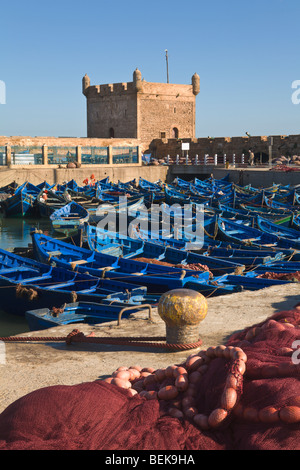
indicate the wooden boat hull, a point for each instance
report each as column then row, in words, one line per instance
column 78, row 312
column 290, row 235
column 69, row 218
column 157, row 278
column 167, row 254
column 26, row 284
column 240, row 234
column 20, row 204
column 252, row 282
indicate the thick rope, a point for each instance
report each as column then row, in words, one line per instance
column 78, row 337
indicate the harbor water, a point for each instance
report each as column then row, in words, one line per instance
column 15, row 233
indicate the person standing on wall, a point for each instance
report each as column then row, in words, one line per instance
column 251, row 158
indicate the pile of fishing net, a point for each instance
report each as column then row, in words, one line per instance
column 244, row 395
column 285, row 168
column 295, row 276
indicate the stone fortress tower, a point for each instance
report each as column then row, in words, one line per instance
column 140, row 109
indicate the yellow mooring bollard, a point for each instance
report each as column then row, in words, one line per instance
column 182, row 310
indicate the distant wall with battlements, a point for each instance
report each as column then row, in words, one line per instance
column 278, row 145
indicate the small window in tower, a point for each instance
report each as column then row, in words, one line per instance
column 111, row 133
column 174, row 110
column 162, row 135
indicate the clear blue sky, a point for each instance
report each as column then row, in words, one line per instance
column 246, row 53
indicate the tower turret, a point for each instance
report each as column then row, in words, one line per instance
column 196, row 83
column 85, row 83
column 137, row 80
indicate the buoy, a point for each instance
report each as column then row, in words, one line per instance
column 182, row 310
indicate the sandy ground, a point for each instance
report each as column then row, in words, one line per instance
column 28, row 366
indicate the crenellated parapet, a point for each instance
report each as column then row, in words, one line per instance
column 107, row 89
column 282, row 146
column 138, row 85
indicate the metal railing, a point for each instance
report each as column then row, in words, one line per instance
column 207, row 159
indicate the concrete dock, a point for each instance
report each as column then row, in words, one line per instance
column 28, row 366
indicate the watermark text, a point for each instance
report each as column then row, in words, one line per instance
column 296, row 353
column 2, row 353
column 296, row 94
column 2, row 92
column 157, row 222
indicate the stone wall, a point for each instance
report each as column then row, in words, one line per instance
column 73, row 151
column 66, row 141
column 166, row 109
column 112, row 115
column 282, row 145
column 59, row 175
column 161, row 148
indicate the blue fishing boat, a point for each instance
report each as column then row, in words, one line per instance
column 48, row 201
column 246, row 256
column 228, row 212
column 251, row 215
column 223, row 180
column 160, row 252
column 153, row 192
column 148, row 185
column 72, row 184
column 290, row 235
column 130, row 206
column 28, row 284
column 279, row 267
column 288, row 197
column 239, row 233
column 129, row 185
column 287, row 253
column 251, row 281
column 173, row 196
column 256, row 200
column 9, row 189
column 176, row 226
column 76, row 312
column 295, row 223
column 180, row 183
column 69, row 218
column 22, row 202
column 111, row 192
column 270, row 202
column 157, row 277
column 268, row 212
column 211, row 183
column 96, row 237
column 111, row 244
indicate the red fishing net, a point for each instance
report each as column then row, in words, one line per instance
column 242, row 396
column 295, row 276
